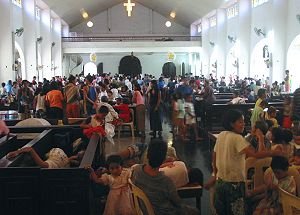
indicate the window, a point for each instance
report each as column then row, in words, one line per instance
column 256, row 3
column 199, row 28
column 213, row 21
column 17, row 3
column 232, row 11
column 37, row 13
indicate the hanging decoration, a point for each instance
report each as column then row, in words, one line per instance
column 129, row 6
column 93, row 57
column 171, row 56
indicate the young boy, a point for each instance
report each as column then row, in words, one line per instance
column 190, row 116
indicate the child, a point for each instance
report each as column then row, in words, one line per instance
column 180, row 115
column 271, row 115
column 95, row 123
column 287, row 111
column 174, row 115
column 270, row 204
column 123, row 109
column 257, row 112
column 56, row 157
column 190, row 116
column 260, row 128
column 281, row 141
column 118, row 200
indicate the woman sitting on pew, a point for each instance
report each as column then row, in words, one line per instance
column 258, row 132
column 57, row 158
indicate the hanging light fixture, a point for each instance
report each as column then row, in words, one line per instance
column 173, row 14
column 84, row 14
column 168, row 24
column 90, row 24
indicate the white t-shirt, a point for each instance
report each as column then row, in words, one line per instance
column 190, row 117
column 238, row 100
column 177, row 173
column 229, row 161
column 57, row 159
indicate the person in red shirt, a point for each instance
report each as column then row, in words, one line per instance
column 123, row 109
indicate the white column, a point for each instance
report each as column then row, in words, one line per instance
column 46, row 44
column 6, row 64
column 57, row 50
column 221, row 41
column 206, row 52
column 65, row 30
column 280, row 9
column 244, row 37
column 29, row 38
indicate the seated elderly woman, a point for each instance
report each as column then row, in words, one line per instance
column 159, row 188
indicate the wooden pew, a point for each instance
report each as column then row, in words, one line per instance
column 213, row 114
column 32, row 190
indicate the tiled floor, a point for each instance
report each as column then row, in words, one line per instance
column 194, row 154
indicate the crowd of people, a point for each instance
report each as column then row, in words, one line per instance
column 106, row 101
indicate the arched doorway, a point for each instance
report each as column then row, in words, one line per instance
column 169, row 70
column 232, row 62
column 293, row 63
column 100, row 68
column 90, row 68
column 130, row 65
column 19, row 63
column 261, row 60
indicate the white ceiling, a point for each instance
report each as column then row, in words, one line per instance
column 187, row 11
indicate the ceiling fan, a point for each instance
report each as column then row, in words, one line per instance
column 259, row 32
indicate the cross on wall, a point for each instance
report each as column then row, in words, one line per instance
column 129, row 6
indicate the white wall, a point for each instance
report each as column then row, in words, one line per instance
column 151, row 63
column 13, row 17
column 29, row 38
column 277, row 16
column 144, row 21
column 6, row 41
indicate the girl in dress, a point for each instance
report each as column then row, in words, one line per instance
column 119, row 197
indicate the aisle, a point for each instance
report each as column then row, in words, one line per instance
column 194, row 154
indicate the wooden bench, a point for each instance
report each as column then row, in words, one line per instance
column 214, row 113
column 27, row 189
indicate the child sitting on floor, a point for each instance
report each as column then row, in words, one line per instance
column 119, row 199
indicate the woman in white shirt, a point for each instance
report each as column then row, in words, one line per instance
column 229, row 158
